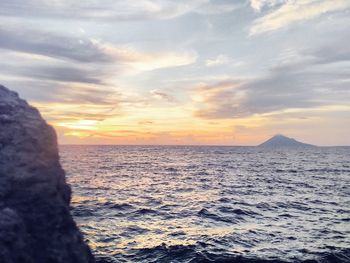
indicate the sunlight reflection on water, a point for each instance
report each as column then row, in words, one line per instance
column 214, row 200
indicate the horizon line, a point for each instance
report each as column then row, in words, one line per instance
column 191, row 145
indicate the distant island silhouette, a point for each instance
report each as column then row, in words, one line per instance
column 280, row 140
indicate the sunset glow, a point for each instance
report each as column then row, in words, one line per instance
column 182, row 72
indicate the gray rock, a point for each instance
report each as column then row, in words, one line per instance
column 35, row 221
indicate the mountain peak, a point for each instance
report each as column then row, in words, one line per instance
column 280, row 140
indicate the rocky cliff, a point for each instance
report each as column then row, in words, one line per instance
column 35, row 222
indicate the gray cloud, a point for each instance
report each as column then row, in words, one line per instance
column 51, row 91
column 51, row 45
column 305, row 84
column 319, row 76
column 112, row 9
column 333, row 51
column 106, row 101
column 61, row 73
column 64, row 74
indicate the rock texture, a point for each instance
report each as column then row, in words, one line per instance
column 35, row 222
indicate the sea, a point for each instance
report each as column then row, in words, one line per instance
column 211, row 203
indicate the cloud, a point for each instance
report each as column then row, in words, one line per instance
column 75, row 115
column 60, row 73
column 217, row 7
column 78, row 104
column 313, row 82
column 44, row 56
column 19, row 38
column 45, row 92
column 111, row 9
column 162, row 95
column 257, row 5
column 333, row 52
column 88, row 94
column 221, row 100
column 165, row 60
column 291, row 12
column 85, row 50
column 63, row 74
column 219, row 60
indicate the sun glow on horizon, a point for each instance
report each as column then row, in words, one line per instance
column 176, row 125
column 182, row 72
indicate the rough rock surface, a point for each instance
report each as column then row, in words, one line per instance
column 35, row 222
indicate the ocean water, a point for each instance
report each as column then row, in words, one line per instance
column 211, row 204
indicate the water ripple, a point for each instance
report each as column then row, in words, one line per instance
column 211, row 204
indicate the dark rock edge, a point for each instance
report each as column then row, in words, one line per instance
column 35, row 221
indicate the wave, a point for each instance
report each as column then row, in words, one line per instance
column 198, row 254
column 207, row 214
column 233, row 204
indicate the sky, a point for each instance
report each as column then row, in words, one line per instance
column 211, row 72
